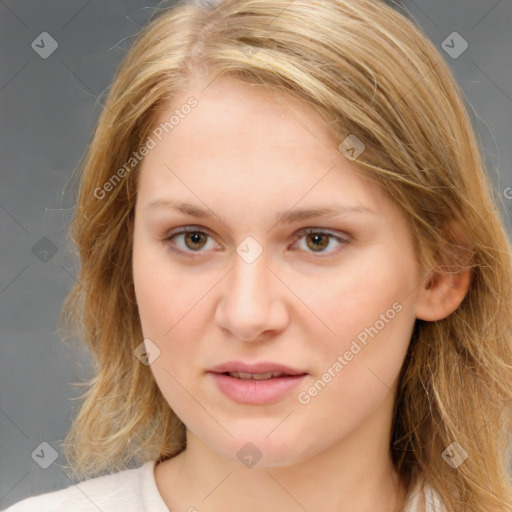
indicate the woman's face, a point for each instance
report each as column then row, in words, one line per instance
column 336, row 305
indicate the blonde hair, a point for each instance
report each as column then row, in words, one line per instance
column 370, row 72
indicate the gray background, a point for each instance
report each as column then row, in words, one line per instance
column 48, row 110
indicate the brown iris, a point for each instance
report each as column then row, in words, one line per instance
column 316, row 237
column 194, row 237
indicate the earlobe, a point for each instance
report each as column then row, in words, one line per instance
column 442, row 293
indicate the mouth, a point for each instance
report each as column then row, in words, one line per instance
column 258, row 371
column 257, row 387
column 258, row 376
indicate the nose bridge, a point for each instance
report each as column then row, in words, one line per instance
column 249, row 285
column 250, row 272
column 251, row 302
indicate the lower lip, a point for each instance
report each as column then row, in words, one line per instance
column 256, row 392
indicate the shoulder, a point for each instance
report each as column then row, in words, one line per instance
column 423, row 498
column 115, row 491
column 433, row 502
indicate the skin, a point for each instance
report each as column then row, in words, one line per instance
column 245, row 155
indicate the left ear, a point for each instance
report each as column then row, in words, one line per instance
column 443, row 292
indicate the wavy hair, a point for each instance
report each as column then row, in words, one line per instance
column 371, row 72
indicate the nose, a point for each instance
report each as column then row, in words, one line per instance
column 253, row 301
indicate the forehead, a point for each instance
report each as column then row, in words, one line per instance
column 242, row 139
column 251, row 110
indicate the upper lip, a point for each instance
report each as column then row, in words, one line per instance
column 263, row 367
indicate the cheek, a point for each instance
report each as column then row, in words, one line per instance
column 355, row 369
column 165, row 297
column 367, row 317
column 173, row 309
column 150, row 292
column 355, row 296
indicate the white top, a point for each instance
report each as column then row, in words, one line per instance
column 424, row 495
column 135, row 490
column 131, row 490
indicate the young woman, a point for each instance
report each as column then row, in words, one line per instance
column 294, row 283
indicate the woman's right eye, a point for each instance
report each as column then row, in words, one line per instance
column 192, row 240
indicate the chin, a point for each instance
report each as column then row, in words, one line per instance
column 255, row 449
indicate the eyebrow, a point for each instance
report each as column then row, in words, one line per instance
column 283, row 217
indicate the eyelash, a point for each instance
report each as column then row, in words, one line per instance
column 300, row 234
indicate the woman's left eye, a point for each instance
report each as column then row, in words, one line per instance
column 194, row 240
column 319, row 240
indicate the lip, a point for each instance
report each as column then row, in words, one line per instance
column 262, row 367
column 256, row 392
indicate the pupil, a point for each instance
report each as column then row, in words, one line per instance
column 195, row 238
column 316, row 238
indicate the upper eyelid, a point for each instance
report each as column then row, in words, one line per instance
column 342, row 237
column 202, row 229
